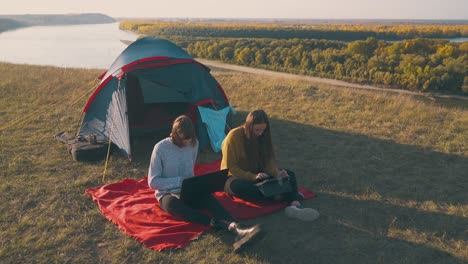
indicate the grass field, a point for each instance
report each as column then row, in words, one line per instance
column 390, row 171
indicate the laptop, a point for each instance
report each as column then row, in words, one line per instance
column 197, row 186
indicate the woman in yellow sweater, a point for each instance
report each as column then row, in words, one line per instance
column 248, row 154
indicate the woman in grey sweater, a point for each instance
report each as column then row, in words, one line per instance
column 173, row 160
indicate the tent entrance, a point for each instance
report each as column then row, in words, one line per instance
column 158, row 114
column 154, row 124
column 149, row 113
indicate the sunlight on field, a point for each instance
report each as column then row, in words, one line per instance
column 451, row 246
column 460, row 210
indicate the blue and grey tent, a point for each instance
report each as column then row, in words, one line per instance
column 149, row 84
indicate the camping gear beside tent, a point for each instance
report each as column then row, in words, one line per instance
column 81, row 148
column 151, row 83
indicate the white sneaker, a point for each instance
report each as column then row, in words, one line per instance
column 301, row 213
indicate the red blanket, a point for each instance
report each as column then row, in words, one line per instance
column 131, row 205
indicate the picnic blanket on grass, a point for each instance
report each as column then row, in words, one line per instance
column 131, row 205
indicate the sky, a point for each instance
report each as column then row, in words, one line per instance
column 310, row 9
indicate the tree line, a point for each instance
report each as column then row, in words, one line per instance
column 419, row 64
column 9, row 24
column 345, row 32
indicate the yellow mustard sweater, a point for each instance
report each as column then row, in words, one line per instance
column 235, row 159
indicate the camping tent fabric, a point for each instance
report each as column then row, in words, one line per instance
column 131, row 205
column 152, row 72
column 215, row 121
column 146, row 48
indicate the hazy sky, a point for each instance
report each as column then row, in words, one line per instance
column 386, row 9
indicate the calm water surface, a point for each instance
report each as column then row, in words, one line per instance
column 80, row 46
column 458, row 40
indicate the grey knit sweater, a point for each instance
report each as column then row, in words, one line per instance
column 169, row 166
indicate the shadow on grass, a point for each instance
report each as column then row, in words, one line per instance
column 350, row 231
column 354, row 176
column 361, row 165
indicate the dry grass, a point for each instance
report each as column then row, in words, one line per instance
column 390, row 172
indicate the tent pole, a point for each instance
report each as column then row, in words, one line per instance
column 79, row 122
column 107, row 159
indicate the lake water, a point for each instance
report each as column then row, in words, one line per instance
column 458, row 40
column 80, row 46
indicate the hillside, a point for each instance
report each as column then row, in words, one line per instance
column 8, row 22
column 388, row 170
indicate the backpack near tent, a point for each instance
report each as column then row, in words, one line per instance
column 149, row 84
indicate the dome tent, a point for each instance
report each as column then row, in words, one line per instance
column 149, row 84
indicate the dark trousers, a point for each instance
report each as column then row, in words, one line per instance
column 247, row 190
column 190, row 211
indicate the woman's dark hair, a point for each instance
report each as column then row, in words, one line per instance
column 259, row 149
column 183, row 129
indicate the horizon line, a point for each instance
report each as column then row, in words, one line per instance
column 242, row 18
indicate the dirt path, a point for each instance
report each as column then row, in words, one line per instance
column 335, row 83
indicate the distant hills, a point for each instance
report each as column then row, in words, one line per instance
column 8, row 22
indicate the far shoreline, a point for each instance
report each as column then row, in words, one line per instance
column 13, row 22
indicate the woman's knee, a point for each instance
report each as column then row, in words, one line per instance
column 243, row 189
column 229, row 186
column 234, row 184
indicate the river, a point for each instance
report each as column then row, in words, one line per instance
column 78, row 46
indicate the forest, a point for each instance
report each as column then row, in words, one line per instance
column 422, row 60
column 342, row 32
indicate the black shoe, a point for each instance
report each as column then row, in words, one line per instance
column 245, row 236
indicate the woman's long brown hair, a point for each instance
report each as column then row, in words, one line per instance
column 183, row 128
column 259, row 150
